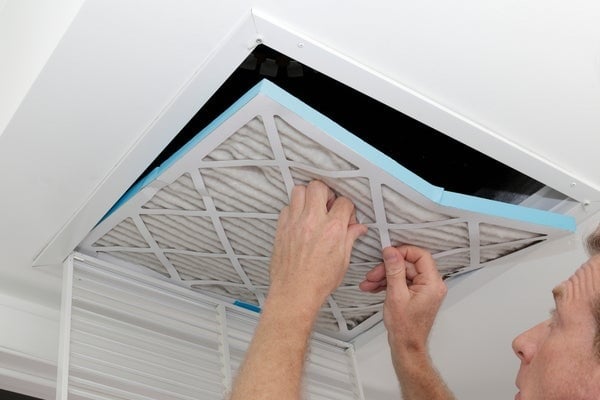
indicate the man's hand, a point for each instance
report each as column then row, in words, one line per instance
column 315, row 235
column 415, row 292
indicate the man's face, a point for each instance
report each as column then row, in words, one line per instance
column 558, row 357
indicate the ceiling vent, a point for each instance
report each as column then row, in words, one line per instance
column 203, row 214
column 206, row 217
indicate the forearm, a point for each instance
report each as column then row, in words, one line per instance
column 418, row 378
column 314, row 239
column 274, row 363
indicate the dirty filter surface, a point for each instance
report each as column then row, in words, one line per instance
column 206, row 219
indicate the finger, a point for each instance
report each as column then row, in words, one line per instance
column 297, row 200
column 395, row 272
column 317, row 196
column 379, row 289
column 283, row 217
column 353, row 219
column 354, row 232
column 411, row 270
column 331, row 196
column 423, row 263
column 369, row 286
column 376, row 274
column 343, row 209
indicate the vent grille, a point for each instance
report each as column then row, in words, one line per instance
column 134, row 337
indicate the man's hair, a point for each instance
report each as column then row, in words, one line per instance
column 592, row 244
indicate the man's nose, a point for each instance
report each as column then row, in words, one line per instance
column 525, row 345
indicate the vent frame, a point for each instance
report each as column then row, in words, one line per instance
column 257, row 27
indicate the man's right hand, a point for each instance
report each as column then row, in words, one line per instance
column 415, row 291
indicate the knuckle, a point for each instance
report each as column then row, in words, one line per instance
column 316, row 184
column 298, row 190
column 443, row 290
column 429, row 258
column 346, row 202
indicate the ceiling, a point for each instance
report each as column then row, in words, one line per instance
column 86, row 86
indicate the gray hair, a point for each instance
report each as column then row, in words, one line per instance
column 592, row 245
column 592, row 242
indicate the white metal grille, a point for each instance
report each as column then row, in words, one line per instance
column 130, row 336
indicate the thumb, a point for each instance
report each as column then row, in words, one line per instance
column 395, row 272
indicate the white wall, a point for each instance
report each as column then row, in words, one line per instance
column 29, row 328
column 28, row 347
column 471, row 341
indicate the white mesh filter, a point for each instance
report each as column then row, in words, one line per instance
column 207, row 218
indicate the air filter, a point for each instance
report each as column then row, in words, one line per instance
column 206, row 218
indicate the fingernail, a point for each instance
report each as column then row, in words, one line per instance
column 389, row 255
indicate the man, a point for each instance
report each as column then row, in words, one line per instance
column 560, row 358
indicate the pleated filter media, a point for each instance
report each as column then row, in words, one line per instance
column 206, row 218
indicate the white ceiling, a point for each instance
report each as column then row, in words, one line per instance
column 29, row 33
column 82, row 86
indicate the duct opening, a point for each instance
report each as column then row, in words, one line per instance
column 436, row 157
